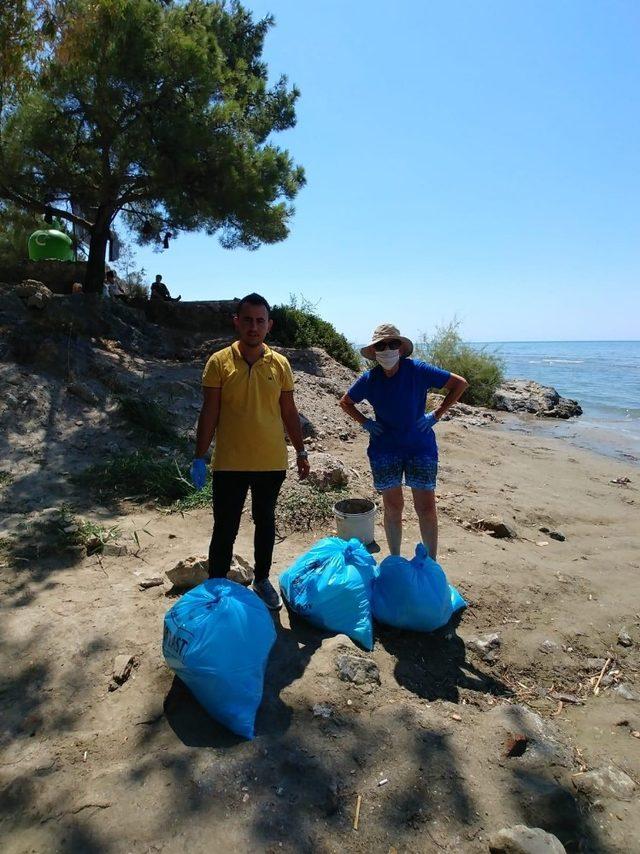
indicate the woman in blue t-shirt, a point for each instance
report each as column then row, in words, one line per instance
column 402, row 441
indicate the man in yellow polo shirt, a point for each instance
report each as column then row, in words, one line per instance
column 248, row 403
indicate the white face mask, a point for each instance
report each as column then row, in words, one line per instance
column 388, row 359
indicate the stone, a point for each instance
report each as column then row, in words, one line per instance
column 327, row 471
column 625, row 691
column 548, row 646
column 521, row 839
column 357, row 670
column 486, row 646
column 624, row 638
column 539, row 400
column 556, row 535
column 114, row 549
column 322, row 710
column 189, row 572
column 122, row 667
column 496, row 526
column 194, row 570
column 146, row 583
column 82, row 391
column 36, row 301
column 605, row 782
column 545, row 744
column 29, row 287
column 241, row 571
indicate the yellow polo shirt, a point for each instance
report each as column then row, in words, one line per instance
column 250, row 432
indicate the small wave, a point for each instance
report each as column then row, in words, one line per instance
column 562, row 361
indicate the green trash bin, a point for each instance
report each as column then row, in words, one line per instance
column 50, row 245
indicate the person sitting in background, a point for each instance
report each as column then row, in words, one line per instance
column 113, row 288
column 161, row 292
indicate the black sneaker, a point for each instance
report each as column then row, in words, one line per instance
column 268, row 593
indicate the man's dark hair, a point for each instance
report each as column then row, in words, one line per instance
column 109, row 274
column 254, row 299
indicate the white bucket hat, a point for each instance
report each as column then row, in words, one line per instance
column 387, row 332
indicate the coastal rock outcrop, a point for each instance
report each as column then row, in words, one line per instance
column 529, row 396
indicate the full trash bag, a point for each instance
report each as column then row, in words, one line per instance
column 217, row 639
column 331, row 586
column 414, row 594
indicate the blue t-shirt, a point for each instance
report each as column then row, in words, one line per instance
column 399, row 402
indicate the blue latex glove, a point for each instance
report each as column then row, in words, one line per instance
column 427, row 422
column 372, row 427
column 198, row 472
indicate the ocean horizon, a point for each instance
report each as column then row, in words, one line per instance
column 603, row 376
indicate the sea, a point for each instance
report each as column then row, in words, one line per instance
column 603, row 376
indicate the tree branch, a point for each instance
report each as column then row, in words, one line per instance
column 25, row 201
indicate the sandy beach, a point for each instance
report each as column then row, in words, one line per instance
column 143, row 768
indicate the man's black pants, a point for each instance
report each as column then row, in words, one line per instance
column 229, row 489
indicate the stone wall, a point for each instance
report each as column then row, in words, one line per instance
column 212, row 317
column 58, row 276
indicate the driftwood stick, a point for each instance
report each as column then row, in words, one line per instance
column 596, row 687
column 356, row 818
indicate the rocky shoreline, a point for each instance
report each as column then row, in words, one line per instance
column 535, row 399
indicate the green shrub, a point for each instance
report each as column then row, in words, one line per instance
column 141, row 475
column 148, row 416
column 303, row 507
column 146, row 476
column 482, row 369
column 58, row 533
column 298, row 325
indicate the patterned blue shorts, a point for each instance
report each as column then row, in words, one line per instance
column 420, row 471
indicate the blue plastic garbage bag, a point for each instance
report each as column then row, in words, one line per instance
column 331, row 586
column 414, row 594
column 217, row 639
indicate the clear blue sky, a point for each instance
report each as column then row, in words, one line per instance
column 476, row 158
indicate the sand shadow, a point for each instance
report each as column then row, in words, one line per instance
column 433, row 665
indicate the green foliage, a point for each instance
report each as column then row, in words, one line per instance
column 195, row 498
column 160, row 110
column 147, row 416
column 140, row 476
column 482, row 369
column 298, row 325
column 303, row 507
column 16, row 227
column 5, row 479
column 71, row 532
column 57, row 533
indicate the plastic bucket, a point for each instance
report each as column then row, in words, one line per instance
column 355, row 517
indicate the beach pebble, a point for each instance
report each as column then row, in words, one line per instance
column 486, row 646
column 521, row 839
column 548, row 646
column 607, row 782
column 496, row 527
column 358, row 670
column 626, row 692
column 624, row 638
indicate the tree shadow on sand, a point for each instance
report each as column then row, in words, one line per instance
column 433, row 665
